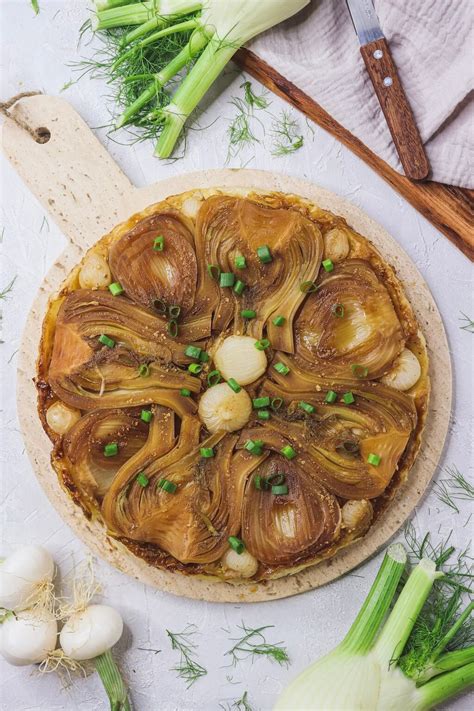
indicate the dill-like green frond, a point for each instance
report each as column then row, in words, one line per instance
column 454, row 488
column 253, row 644
column 469, row 323
column 188, row 668
column 286, row 135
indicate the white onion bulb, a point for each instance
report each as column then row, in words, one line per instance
column 28, row 637
column 91, row 632
column 336, row 245
column 23, row 575
column 405, row 373
column 223, row 410
column 238, row 358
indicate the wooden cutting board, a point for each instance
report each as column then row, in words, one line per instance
column 86, row 194
column 448, row 208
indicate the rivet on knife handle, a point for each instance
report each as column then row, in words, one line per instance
column 396, row 109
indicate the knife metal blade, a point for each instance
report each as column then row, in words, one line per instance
column 365, row 20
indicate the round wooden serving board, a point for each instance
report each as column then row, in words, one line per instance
column 87, row 194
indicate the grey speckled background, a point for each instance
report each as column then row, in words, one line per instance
column 35, row 52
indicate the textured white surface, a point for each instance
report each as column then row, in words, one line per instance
column 35, row 52
column 431, row 43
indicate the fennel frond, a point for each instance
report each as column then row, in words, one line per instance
column 188, row 668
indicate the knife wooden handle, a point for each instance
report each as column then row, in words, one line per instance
column 396, row 109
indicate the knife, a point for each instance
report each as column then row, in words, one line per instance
column 384, row 77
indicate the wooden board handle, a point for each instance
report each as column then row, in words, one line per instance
column 71, row 174
column 398, row 114
column 448, row 208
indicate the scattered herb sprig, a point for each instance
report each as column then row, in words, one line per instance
column 35, row 6
column 7, row 289
column 287, row 136
column 188, row 668
column 469, row 323
column 252, row 643
column 241, row 704
column 454, row 488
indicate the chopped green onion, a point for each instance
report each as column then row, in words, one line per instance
column 227, row 279
column 233, row 384
column 213, row 271
column 276, row 479
column 116, row 289
column 159, row 243
column 248, row 313
column 328, row 265
column 308, row 287
column 264, row 254
column 348, row 398
column 173, row 328
column 144, row 370
column 280, row 490
column 167, row 485
column 106, row 341
column 360, row 371
column 195, row 368
column 146, row 415
column 262, row 344
column 160, row 306
column 174, row 310
column 261, row 402
column 185, row 392
column 276, row 403
column 254, row 446
column 111, row 449
column 204, row 357
column 240, row 262
column 193, row 351
column 338, row 310
column 260, row 482
column 236, row 544
column 331, row 396
column 214, row 377
column 306, row 407
column 374, row 459
column 142, row 479
column 281, row 368
column 263, row 415
column 206, row 452
column 259, row 443
column 239, row 287
column 288, row 452
column 279, row 321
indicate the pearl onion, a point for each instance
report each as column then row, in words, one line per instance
column 95, row 272
column 336, row 245
column 405, row 373
column 221, row 409
column 61, row 418
column 244, row 564
column 238, row 358
column 357, row 515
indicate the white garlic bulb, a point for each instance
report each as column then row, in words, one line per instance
column 336, row 245
column 243, row 565
column 95, row 272
column 61, row 417
column 405, row 372
column 221, row 409
column 357, row 515
column 238, row 358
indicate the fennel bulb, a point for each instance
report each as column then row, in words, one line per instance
column 218, row 28
column 361, row 673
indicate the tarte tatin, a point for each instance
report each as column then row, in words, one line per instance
column 234, row 384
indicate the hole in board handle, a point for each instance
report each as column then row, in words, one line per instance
column 43, row 134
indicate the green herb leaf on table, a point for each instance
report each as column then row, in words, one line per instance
column 241, row 704
column 469, row 323
column 253, row 643
column 287, row 137
column 454, row 488
column 5, row 292
column 35, row 6
column 188, row 668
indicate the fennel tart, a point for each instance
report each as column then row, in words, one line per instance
column 234, row 383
